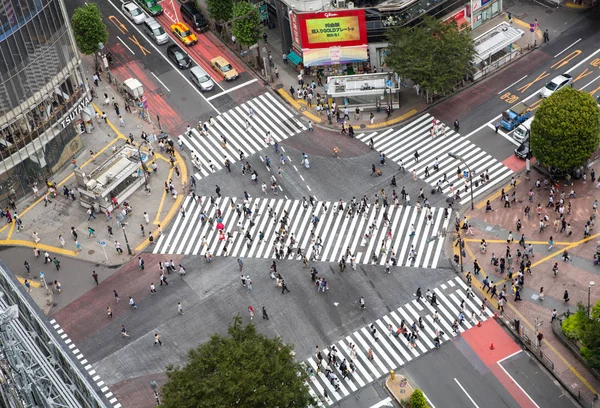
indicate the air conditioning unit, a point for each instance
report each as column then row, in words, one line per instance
column 350, row 4
column 340, row 4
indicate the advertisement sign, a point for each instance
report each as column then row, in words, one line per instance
column 341, row 28
column 334, row 55
column 477, row 4
column 295, row 28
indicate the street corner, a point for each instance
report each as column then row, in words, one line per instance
column 299, row 105
column 137, row 391
column 400, row 386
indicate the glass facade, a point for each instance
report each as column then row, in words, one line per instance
column 41, row 84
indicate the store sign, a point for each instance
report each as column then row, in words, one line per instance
column 335, row 54
column 75, row 112
column 295, row 28
column 477, row 4
column 342, row 28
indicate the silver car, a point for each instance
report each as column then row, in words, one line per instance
column 133, row 12
column 155, row 31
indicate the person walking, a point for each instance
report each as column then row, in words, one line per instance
column 124, row 331
column 109, row 312
column 566, row 296
column 56, row 263
column 284, row 287
column 95, row 276
column 132, row 303
column 57, row 285
column 140, row 263
column 264, row 314
column 157, row 339
column 241, row 264
column 179, row 308
column 152, row 288
column 251, row 312
column 117, row 299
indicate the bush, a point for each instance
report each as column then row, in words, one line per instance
column 418, row 400
column 574, row 325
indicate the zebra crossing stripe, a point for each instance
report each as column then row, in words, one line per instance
column 336, row 231
column 400, row 144
column 389, row 351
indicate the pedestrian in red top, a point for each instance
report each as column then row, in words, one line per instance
column 251, row 311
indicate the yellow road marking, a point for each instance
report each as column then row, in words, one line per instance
column 289, row 98
column 523, row 319
column 495, row 195
column 499, row 241
column 40, row 246
column 312, row 116
column 12, row 228
column 393, row 121
column 34, row 284
column 162, row 200
column 570, row 246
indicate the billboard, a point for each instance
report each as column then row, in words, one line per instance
column 340, row 28
column 334, row 55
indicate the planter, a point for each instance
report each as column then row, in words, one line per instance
column 400, row 388
column 572, row 345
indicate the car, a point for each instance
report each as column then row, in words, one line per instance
column 151, row 7
column 184, row 34
column 523, row 151
column 557, row 83
column 201, row 79
column 155, row 31
column 224, row 68
column 133, row 12
column 179, row 57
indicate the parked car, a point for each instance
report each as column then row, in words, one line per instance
column 133, row 12
column 523, row 152
column 557, row 83
column 184, row 34
column 151, row 7
column 155, row 31
column 193, row 17
column 224, row 68
column 179, row 57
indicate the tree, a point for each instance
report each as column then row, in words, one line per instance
column 246, row 22
column 244, row 369
column 88, row 28
column 220, row 10
column 565, row 130
column 434, row 54
column 591, row 343
column 418, row 400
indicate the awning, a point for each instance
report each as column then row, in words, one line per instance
column 294, row 58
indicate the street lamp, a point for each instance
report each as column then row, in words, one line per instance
column 592, row 283
column 460, row 249
column 126, row 241
column 457, row 157
column 143, row 165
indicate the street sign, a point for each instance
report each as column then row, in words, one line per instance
column 41, row 275
column 531, row 27
column 388, row 83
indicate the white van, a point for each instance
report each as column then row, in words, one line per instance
column 522, row 132
column 155, row 31
column 201, row 79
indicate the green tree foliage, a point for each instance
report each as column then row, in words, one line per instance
column 573, row 325
column 591, row 343
column 88, row 28
column 246, row 23
column 220, row 10
column 565, row 130
column 244, row 369
column 417, row 399
column 434, row 54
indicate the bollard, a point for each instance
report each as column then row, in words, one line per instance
column 392, row 375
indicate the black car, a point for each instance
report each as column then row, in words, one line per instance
column 179, row 57
column 523, row 152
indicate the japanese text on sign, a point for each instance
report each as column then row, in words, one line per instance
column 336, row 29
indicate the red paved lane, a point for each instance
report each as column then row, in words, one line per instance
column 480, row 339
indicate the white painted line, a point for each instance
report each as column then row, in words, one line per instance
column 232, row 89
column 161, row 82
column 507, row 357
column 516, row 383
column 151, row 43
column 465, row 391
column 514, row 83
column 384, row 403
column 307, row 186
column 301, row 177
column 429, row 401
column 567, row 48
column 589, row 83
column 295, row 168
column 126, row 46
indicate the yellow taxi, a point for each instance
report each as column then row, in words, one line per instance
column 224, row 68
column 184, row 34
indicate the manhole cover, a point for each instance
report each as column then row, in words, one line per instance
column 303, row 109
column 139, row 125
column 549, row 11
column 363, row 126
column 91, row 252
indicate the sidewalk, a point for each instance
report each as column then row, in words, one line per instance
column 573, row 276
column 63, row 213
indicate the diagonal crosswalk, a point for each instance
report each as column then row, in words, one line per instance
column 269, row 115
column 389, row 351
column 401, row 145
column 339, row 233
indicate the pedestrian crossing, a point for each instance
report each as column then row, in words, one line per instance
column 264, row 113
column 389, row 351
column 338, row 232
column 401, row 145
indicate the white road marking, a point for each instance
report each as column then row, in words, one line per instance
column 235, row 88
column 161, row 82
column 514, row 83
column 126, row 46
column 513, row 380
column 466, row 393
column 567, row 48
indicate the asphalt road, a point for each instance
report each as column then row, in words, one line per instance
column 575, row 52
column 171, row 94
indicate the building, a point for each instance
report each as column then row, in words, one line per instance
column 307, row 27
column 37, row 368
column 42, row 94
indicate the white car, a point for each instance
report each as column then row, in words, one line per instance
column 134, row 13
column 557, row 83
